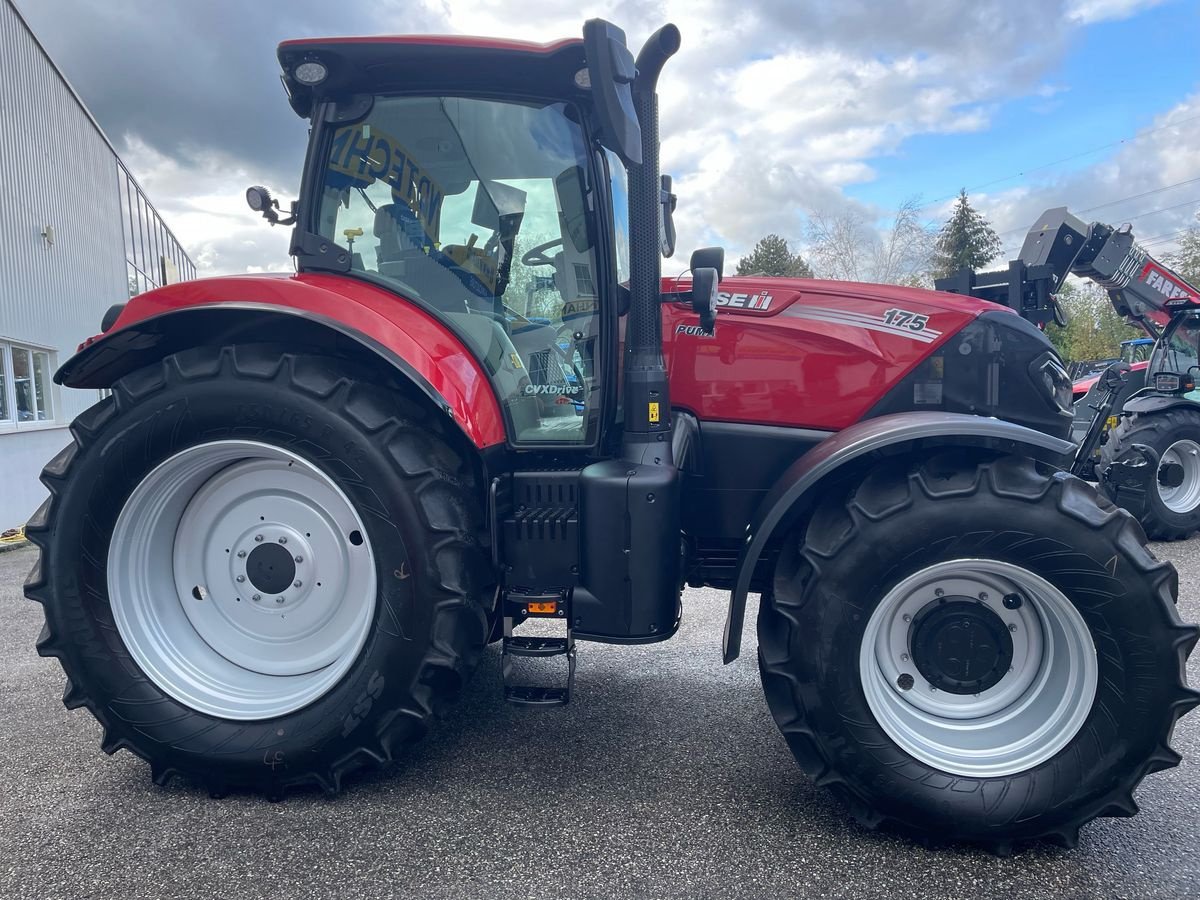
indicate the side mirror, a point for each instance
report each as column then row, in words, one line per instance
column 666, row 231
column 609, row 74
column 1114, row 376
column 704, row 297
column 709, row 258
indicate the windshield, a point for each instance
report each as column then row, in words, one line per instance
column 1178, row 350
column 480, row 209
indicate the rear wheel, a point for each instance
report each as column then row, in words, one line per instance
column 975, row 649
column 1172, row 508
column 259, row 569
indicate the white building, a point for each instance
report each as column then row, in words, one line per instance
column 76, row 236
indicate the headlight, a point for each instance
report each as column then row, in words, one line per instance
column 1056, row 381
column 1172, row 383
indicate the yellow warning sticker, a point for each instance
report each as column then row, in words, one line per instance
column 653, row 412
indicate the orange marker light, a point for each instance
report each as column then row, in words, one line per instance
column 543, row 609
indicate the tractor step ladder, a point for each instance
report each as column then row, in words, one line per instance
column 535, row 647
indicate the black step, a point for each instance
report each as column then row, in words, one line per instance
column 526, row 695
column 536, row 646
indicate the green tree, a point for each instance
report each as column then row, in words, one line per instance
column 772, row 256
column 965, row 241
column 1186, row 260
column 1094, row 330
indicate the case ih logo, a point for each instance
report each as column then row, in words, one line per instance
column 1163, row 282
column 745, row 301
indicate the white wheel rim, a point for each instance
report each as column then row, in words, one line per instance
column 1184, row 497
column 241, row 579
column 1030, row 714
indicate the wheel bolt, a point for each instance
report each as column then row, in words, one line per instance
column 258, row 539
column 241, row 578
column 907, row 617
column 1012, row 627
column 256, row 597
column 283, row 540
column 241, row 554
column 939, row 593
column 903, row 657
column 298, row 584
column 299, row 559
column 983, row 595
column 278, row 599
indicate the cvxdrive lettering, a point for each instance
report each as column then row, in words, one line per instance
column 551, row 389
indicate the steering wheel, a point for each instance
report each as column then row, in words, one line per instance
column 537, row 256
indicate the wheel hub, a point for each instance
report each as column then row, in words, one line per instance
column 959, row 645
column 270, row 568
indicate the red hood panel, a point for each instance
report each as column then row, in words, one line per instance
column 804, row 353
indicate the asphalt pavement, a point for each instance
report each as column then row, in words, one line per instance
column 665, row 777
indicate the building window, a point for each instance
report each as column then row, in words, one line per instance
column 26, row 389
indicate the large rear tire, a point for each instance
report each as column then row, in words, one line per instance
column 1171, row 512
column 975, row 649
column 259, row 569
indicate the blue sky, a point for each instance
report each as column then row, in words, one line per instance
column 1114, row 79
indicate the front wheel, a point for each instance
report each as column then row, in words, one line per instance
column 975, row 649
column 1171, row 509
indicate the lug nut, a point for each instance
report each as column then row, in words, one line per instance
column 258, row 539
column 939, row 593
column 299, row 559
column 907, row 617
column 283, row 540
column 241, row 554
column 298, row 584
column 983, row 595
column 256, row 597
column 1012, row 627
column 903, row 657
column 278, row 599
column 241, row 578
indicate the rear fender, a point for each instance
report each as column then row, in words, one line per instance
column 861, row 444
column 350, row 321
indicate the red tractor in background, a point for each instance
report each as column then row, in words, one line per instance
column 281, row 544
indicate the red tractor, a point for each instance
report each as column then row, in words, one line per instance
column 282, row 543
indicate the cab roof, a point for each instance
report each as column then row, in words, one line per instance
column 434, row 63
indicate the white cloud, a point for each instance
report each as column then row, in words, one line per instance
column 1088, row 12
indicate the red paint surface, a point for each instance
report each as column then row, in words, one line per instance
column 398, row 324
column 1083, row 385
column 772, row 368
column 440, row 40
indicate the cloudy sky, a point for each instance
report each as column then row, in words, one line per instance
column 772, row 110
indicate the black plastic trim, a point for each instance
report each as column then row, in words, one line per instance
column 794, row 492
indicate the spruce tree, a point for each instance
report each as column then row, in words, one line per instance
column 772, row 256
column 965, row 241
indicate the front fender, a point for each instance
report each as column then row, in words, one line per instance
column 797, row 489
column 1153, row 403
column 306, row 309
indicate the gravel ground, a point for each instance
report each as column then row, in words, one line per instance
column 666, row 778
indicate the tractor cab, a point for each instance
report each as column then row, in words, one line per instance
column 494, row 196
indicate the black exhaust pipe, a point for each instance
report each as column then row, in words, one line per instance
column 647, row 404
